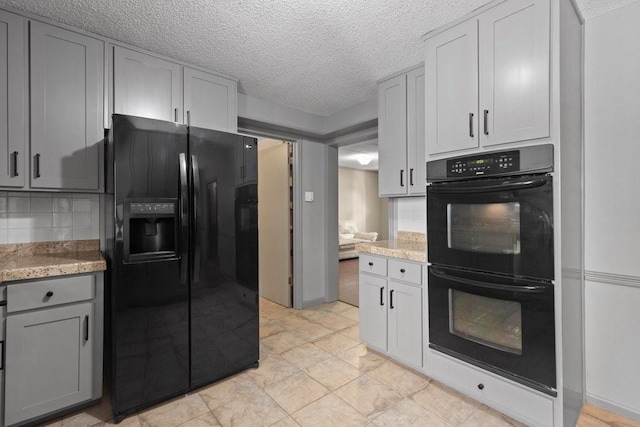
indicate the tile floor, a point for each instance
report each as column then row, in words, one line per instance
column 314, row 371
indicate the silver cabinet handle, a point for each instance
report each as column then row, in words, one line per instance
column 36, row 165
column 486, row 122
column 188, row 118
column 86, row 330
column 175, row 113
column 401, row 177
column 411, row 177
column 471, row 125
column 15, row 163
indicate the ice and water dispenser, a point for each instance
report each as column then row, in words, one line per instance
column 150, row 229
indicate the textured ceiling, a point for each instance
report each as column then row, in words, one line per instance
column 316, row 56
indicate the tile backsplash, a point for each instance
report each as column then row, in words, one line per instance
column 41, row 217
column 412, row 214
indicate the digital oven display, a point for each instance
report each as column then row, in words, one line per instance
column 493, row 164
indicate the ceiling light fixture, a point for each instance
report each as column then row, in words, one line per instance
column 364, row 159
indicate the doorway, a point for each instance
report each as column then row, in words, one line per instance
column 275, row 220
column 363, row 215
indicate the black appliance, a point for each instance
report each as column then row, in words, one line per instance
column 490, row 246
column 183, row 259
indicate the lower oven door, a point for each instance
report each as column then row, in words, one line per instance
column 502, row 324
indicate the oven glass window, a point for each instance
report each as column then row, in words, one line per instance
column 488, row 228
column 489, row 321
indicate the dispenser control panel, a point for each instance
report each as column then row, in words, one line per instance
column 154, row 208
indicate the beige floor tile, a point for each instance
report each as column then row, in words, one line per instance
column 270, row 328
column 352, row 332
column 90, row 416
column 279, row 343
column 447, row 403
column 296, row 392
column 329, row 411
column 306, row 355
column 271, row 369
column 286, row 422
column 54, row 423
column 205, row 420
column 400, row 379
column 607, row 417
column 408, row 413
column 310, row 331
column 351, row 313
column 175, row 412
column 336, row 343
column 333, row 373
column 129, row 421
column 487, row 417
column 362, row 358
column 240, row 402
column 265, row 351
column 368, row 396
column 332, row 321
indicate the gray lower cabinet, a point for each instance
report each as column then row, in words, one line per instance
column 67, row 101
column 53, row 345
column 391, row 318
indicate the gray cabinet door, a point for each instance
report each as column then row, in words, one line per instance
column 49, row 362
column 514, row 72
column 405, row 323
column 146, row 86
column 392, row 137
column 67, row 93
column 12, row 93
column 210, row 101
column 373, row 311
column 416, row 160
column 451, row 79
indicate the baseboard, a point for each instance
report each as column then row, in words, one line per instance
column 613, row 279
column 613, row 407
column 313, row 302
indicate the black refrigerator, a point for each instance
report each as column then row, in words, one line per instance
column 181, row 241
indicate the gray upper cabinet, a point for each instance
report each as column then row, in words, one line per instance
column 514, row 72
column 146, row 86
column 452, row 89
column 67, row 89
column 392, row 136
column 12, row 97
column 487, row 79
column 210, row 101
column 401, row 132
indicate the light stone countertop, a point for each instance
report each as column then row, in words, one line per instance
column 409, row 246
column 47, row 259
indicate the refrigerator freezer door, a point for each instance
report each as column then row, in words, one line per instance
column 224, row 297
column 149, row 301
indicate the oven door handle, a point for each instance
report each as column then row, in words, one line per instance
column 506, row 186
column 531, row 289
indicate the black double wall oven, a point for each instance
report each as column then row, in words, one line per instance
column 490, row 250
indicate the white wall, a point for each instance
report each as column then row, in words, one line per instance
column 612, row 209
column 411, row 214
column 358, row 201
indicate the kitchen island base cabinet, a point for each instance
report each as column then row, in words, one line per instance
column 53, row 352
column 391, row 308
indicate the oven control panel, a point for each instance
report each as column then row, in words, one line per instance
column 484, row 164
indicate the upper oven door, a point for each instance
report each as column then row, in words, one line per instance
column 494, row 225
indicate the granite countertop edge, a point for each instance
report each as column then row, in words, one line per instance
column 22, row 264
column 409, row 250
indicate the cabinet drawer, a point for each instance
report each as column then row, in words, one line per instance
column 405, row 271
column 49, row 292
column 373, row 265
column 513, row 399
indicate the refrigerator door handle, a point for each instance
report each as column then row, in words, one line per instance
column 184, row 197
column 196, row 205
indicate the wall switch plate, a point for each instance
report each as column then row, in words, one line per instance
column 308, row 196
